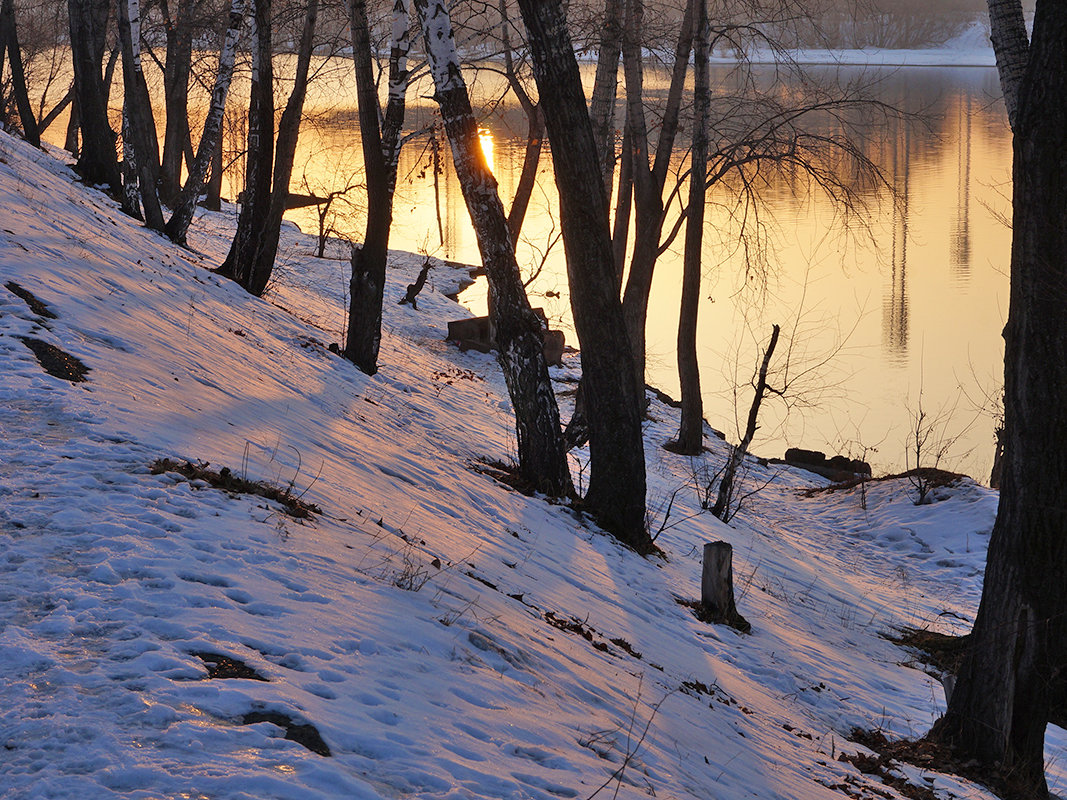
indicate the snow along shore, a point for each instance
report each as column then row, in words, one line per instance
column 445, row 636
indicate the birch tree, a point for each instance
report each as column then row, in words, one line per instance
column 1015, row 677
column 517, row 330
column 185, row 203
column 139, row 126
column 241, row 258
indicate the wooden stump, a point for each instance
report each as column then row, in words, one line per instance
column 717, row 587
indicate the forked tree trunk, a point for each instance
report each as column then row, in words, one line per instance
column 241, row 260
column 30, row 129
column 1017, row 669
column 141, row 123
column 176, row 70
column 612, row 397
column 648, row 177
column 381, row 151
column 518, row 336
column 284, row 155
column 97, row 161
column 209, row 150
column 691, row 430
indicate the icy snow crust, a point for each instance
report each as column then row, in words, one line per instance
column 408, row 622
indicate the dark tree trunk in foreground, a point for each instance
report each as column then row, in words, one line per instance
column 284, row 155
column 97, row 162
column 691, row 430
column 10, row 41
column 381, row 150
column 141, row 124
column 1017, row 670
column 209, row 150
column 613, row 397
column 517, row 330
column 241, row 260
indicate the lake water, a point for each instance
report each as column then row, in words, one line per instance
column 901, row 315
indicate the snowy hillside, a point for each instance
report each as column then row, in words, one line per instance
column 427, row 632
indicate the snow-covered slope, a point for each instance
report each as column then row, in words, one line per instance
column 446, row 637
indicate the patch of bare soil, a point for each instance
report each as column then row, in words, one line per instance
column 56, row 362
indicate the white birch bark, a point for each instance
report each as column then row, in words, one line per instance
column 185, row 205
column 399, row 45
column 133, row 8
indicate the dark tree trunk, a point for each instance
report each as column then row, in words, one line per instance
column 97, row 161
column 605, row 89
column 648, row 178
column 30, row 130
column 367, row 284
column 210, row 146
column 535, row 132
column 1017, row 671
column 520, row 203
column 284, row 155
column 725, row 506
column 57, row 109
column 213, row 201
column 381, row 150
column 612, row 397
column 517, row 330
column 70, row 141
column 141, row 123
column 176, row 71
column 241, row 260
column 691, row 430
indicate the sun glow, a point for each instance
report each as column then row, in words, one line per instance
column 485, row 138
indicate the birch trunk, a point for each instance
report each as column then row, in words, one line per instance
column 241, row 259
column 517, row 330
column 142, row 126
column 211, row 138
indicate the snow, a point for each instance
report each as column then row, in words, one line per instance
column 410, row 621
column 969, row 48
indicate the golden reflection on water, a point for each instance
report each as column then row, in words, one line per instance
column 914, row 297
